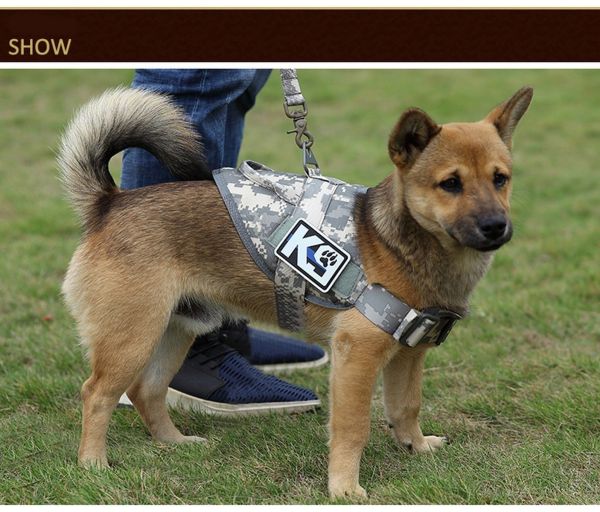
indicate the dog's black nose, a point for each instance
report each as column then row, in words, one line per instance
column 493, row 227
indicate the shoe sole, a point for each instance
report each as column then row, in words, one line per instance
column 290, row 367
column 178, row 400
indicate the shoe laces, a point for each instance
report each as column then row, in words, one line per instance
column 211, row 349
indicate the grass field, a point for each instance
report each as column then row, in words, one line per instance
column 516, row 386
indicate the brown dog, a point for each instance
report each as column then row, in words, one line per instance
column 426, row 233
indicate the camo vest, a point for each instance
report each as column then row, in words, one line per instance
column 264, row 205
column 300, row 232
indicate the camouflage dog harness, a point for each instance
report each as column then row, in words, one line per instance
column 301, row 233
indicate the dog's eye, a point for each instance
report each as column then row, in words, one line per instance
column 452, row 185
column 500, row 179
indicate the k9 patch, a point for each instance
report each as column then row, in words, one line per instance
column 314, row 256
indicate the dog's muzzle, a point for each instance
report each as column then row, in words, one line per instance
column 483, row 234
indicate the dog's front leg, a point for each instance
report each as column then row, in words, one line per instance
column 402, row 380
column 356, row 361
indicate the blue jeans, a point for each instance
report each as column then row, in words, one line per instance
column 215, row 100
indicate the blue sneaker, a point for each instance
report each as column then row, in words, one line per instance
column 218, row 375
column 215, row 379
column 271, row 352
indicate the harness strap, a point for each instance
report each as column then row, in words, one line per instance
column 407, row 325
column 290, row 287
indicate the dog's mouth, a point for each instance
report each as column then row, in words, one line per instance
column 488, row 247
column 474, row 238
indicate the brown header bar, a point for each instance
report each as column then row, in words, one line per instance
column 313, row 35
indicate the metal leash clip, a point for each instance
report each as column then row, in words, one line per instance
column 295, row 108
column 300, row 123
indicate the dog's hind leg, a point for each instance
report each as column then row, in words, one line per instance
column 402, row 379
column 118, row 354
column 149, row 390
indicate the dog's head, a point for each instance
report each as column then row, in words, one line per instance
column 456, row 178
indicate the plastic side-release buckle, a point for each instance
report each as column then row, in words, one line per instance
column 430, row 326
column 447, row 319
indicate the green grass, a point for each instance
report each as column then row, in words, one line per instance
column 516, row 386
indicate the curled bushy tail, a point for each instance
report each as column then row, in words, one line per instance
column 118, row 119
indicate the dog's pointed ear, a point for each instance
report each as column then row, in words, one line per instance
column 506, row 115
column 413, row 131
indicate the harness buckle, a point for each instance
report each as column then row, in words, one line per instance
column 447, row 319
column 431, row 326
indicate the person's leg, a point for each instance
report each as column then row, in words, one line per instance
column 216, row 102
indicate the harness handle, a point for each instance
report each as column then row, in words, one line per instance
column 294, row 106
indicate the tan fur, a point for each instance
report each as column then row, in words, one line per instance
column 151, row 247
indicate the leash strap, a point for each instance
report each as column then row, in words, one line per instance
column 291, row 88
column 295, row 108
column 407, row 325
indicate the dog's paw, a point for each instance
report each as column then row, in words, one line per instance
column 347, row 491
column 193, row 439
column 429, row 444
column 178, row 438
column 93, row 463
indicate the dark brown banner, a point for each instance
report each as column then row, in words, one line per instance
column 263, row 35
